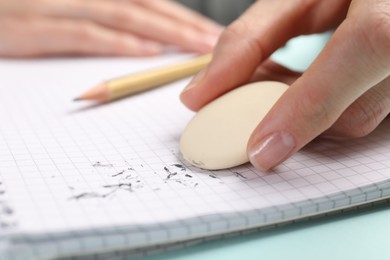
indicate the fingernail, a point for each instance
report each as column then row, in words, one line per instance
column 271, row 150
column 210, row 39
column 219, row 29
column 198, row 77
column 206, row 42
column 151, row 48
column 215, row 28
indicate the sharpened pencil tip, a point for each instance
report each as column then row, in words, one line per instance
column 77, row 99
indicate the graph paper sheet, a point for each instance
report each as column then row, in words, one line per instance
column 77, row 178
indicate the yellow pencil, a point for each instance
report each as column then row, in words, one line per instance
column 135, row 83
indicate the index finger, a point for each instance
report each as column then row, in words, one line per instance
column 134, row 19
column 251, row 39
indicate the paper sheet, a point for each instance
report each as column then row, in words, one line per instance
column 72, row 167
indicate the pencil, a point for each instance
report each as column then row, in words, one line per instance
column 139, row 82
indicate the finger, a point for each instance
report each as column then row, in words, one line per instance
column 365, row 114
column 182, row 14
column 147, row 23
column 272, row 71
column 355, row 59
column 135, row 19
column 54, row 36
column 163, row 29
column 266, row 26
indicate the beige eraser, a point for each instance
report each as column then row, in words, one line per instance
column 217, row 136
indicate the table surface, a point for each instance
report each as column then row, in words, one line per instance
column 356, row 235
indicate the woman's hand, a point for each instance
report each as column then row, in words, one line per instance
column 30, row 28
column 344, row 93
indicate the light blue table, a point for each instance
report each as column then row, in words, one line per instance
column 356, row 235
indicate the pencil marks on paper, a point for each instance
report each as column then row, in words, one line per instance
column 7, row 215
column 130, row 178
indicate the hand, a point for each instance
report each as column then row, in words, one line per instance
column 30, row 28
column 344, row 93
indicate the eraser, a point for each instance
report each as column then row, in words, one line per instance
column 217, row 136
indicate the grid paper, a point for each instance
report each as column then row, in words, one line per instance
column 77, row 178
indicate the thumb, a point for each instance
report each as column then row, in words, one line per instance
column 355, row 59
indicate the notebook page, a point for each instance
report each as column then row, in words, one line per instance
column 74, row 168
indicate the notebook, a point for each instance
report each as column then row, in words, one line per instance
column 108, row 181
